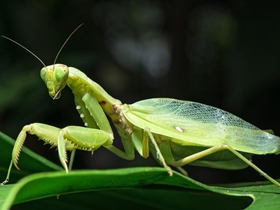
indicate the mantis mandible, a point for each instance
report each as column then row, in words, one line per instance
column 175, row 132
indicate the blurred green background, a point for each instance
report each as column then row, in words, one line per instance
column 221, row 53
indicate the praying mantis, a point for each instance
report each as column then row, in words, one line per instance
column 175, row 132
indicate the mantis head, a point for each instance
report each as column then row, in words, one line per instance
column 55, row 77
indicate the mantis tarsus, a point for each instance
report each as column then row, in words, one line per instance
column 175, row 132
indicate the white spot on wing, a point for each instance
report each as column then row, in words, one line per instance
column 82, row 115
column 78, row 107
column 179, row 129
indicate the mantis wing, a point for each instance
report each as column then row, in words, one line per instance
column 194, row 124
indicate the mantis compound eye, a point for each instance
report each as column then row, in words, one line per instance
column 43, row 74
column 61, row 73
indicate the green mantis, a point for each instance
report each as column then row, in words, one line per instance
column 175, row 132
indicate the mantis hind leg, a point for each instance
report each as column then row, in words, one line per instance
column 214, row 149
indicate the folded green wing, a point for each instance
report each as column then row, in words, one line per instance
column 191, row 123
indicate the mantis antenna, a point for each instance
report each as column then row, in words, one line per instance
column 66, row 42
column 34, row 53
column 25, row 49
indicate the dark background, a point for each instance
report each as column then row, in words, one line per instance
column 221, row 53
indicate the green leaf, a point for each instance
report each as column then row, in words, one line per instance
column 130, row 188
